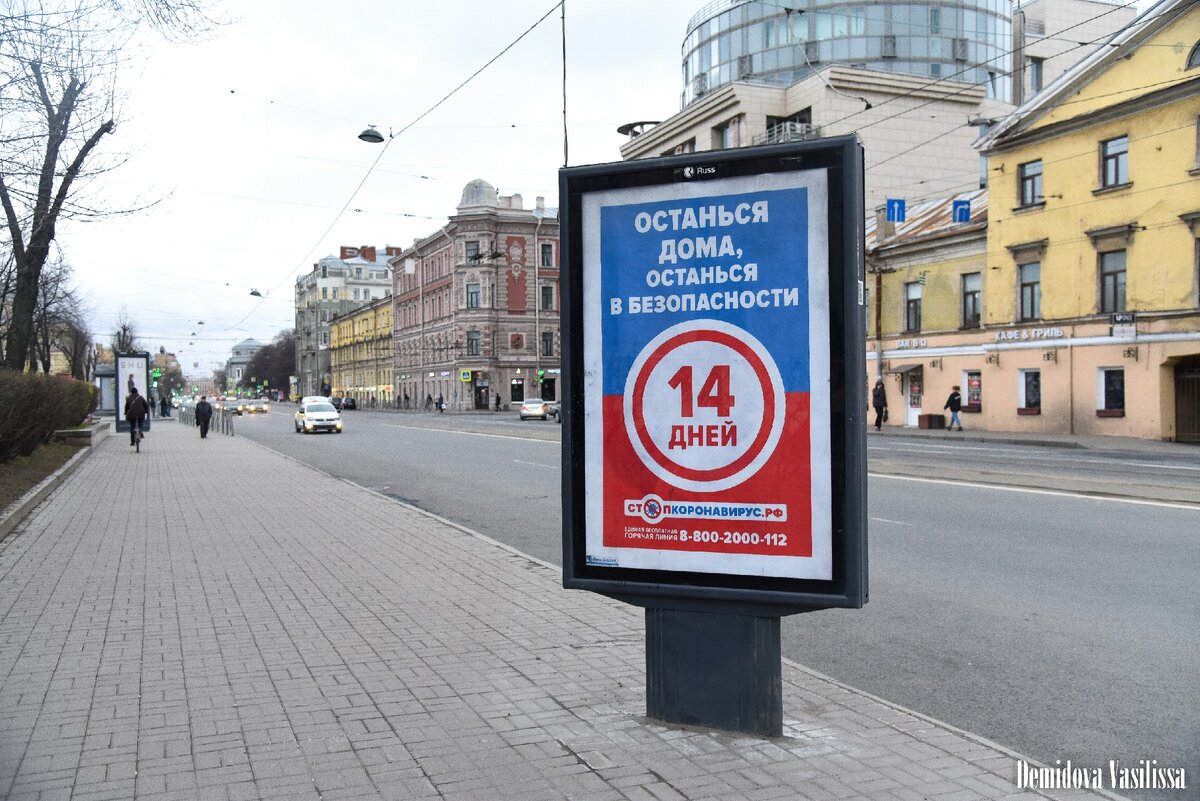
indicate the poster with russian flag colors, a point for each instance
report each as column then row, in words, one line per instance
column 706, row 376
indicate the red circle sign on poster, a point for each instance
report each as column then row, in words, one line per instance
column 704, row 405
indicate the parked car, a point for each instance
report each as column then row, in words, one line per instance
column 539, row 409
column 349, row 403
column 321, row 416
column 257, row 406
column 335, row 401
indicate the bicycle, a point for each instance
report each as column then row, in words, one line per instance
column 137, row 441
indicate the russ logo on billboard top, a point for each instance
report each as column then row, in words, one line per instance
column 707, row 383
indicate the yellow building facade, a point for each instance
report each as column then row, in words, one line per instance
column 1075, row 308
column 360, row 354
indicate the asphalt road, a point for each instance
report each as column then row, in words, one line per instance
column 1061, row 625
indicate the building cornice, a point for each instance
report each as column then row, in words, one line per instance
column 1184, row 90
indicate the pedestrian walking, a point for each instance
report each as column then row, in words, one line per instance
column 879, row 401
column 428, row 401
column 136, row 411
column 954, row 404
column 204, row 412
column 164, row 407
column 441, row 403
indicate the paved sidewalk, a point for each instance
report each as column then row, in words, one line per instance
column 210, row 620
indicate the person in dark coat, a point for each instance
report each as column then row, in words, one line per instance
column 136, row 412
column 441, row 403
column 879, row 401
column 204, row 413
column 954, row 404
column 164, row 407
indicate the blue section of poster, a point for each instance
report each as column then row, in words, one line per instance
column 738, row 258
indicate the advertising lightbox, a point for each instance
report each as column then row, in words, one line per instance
column 714, row 442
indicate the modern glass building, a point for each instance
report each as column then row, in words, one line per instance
column 781, row 41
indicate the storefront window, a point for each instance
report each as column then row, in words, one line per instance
column 1029, row 391
column 1112, row 389
column 974, row 400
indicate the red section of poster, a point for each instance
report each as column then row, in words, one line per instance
column 768, row 514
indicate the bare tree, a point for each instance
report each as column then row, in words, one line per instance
column 124, row 338
column 8, row 274
column 56, row 303
column 58, row 99
column 74, row 342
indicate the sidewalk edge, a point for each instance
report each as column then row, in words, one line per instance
column 16, row 514
column 975, row 738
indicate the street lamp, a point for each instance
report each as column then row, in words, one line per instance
column 371, row 135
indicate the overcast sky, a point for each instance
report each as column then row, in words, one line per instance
column 248, row 140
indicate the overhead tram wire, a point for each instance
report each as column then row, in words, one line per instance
column 388, row 142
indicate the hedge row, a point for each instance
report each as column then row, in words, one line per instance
column 33, row 406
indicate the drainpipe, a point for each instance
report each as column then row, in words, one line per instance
column 1071, row 380
column 537, row 307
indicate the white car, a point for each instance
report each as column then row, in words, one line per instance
column 320, row 416
column 539, row 409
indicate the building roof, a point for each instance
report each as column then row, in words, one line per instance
column 1119, row 46
column 929, row 219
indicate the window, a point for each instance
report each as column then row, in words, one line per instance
column 1029, row 184
column 324, row 270
column 1194, row 57
column 474, row 343
column 547, row 343
column 547, row 297
column 358, row 272
column 1037, row 74
column 1029, row 288
column 935, row 20
column 547, row 254
column 1112, row 282
column 335, row 293
column 973, row 381
column 324, row 293
column 473, row 250
column 366, row 295
column 912, row 306
column 356, row 294
column 1029, row 391
column 472, row 296
column 970, row 300
column 1114, row 162
column 1111, row 391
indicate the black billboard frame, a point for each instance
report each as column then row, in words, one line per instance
column 842, row 159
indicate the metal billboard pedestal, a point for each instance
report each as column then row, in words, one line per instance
column 714, row 670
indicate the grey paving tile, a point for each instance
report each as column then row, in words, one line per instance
column 334, row 644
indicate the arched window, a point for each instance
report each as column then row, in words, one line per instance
column 1194, row 57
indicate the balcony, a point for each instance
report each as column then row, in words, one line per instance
column 786, row 132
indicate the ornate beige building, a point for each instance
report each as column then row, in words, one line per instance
column 477, row 306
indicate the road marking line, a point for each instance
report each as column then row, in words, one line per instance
column 1032, row 491
column 894, row 522
column 535, row 464
column 1026, row 456
column 473, row 433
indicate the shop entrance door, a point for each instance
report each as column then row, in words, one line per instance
column 481, row 393
column 1187, row 400
column 518, row 390
column 914, row 382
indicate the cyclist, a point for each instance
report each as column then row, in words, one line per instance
column 136, row 410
